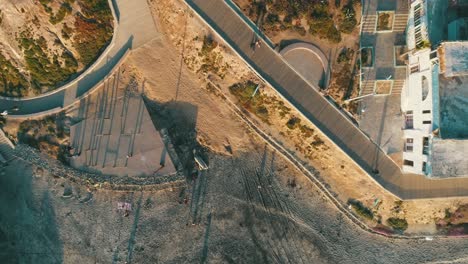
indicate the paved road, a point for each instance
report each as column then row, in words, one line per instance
column 270, row 66
column 135, row 27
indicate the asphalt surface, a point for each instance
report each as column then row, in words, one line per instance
column 135, row 27
column 271, row 67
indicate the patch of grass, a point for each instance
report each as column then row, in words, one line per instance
column 45, row 72
column 398, row 224
column 256, row 104
column 366, row 57
column 360, row 209
column 306, row 131
column 98, row 10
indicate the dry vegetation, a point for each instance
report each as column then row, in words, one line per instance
column 319, row 18
column 49, row 135
column 45, row 44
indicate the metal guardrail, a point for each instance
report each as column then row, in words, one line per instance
column 249, row 22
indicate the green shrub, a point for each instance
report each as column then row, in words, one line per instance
column 64, row 10
column 321, row 23
column 398, row 224
column 299, row 29
column 208, row 45
column 293, row 122
column 243, row 92
column 44, row 71
column 90, row 38
column 12, row 82
column 349, row 22
column 360, row 209
column 317, row 141
column 383, row 21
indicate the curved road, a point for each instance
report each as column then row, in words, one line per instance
column 135, row 28
column 235, row 30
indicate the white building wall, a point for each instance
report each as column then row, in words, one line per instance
column 418, row 101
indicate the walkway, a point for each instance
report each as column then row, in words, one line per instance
column 271, row 67
column 135, row 28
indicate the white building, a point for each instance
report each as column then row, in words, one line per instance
column 417, row 96
column 426, row 151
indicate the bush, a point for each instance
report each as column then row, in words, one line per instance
column 349, row 22
column 293, row 122
column 398, row 224
column 12, row 82
column 208, row 45
column 301, row 30
column 90, row 38
column 64, row 10
column 256, row 104
column 345, row 55
column 360, row 209
column 321, row 23
column 317, row 141
column 383, row 22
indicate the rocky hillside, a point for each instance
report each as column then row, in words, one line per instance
column 45, row 43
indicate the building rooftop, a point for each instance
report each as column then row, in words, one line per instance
column 454, row 58
column 453, row 93
column 449, row 158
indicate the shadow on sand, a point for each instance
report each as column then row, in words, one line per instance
column 28, row 228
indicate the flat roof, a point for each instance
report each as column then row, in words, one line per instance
column 449, row 158
column 453, row 107
column 454, row 58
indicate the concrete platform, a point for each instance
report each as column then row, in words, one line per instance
column 117, row 136
column 309, row 61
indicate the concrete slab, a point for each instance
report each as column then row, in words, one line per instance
column 111, row 148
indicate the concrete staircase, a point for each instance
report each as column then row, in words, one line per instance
column 401, row 20
column 6, row 147
column 398, row 87
column 367, row 87
column 368, row 24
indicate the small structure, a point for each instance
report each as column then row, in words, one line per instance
column 309, row 61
